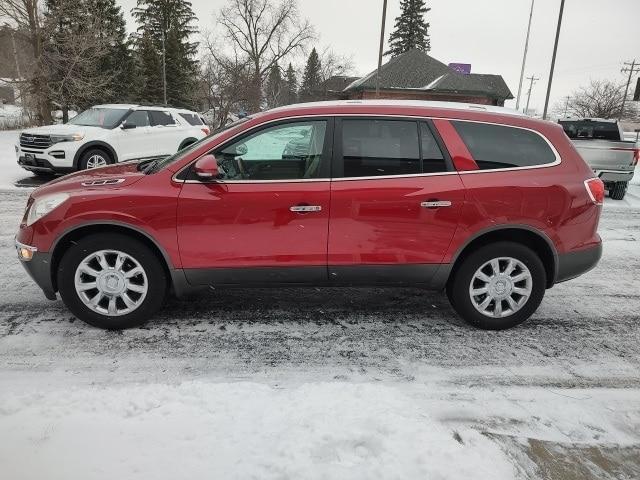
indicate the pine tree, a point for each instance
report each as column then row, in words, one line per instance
column 411, row 30
column 311, row 80
column 117, row 62
column 167, row 25
column 274, row 87
column 290, row 87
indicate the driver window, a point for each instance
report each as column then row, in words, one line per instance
column 284, row 152
column 139, row 118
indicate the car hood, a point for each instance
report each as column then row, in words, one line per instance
column 65, row 129
column 111, row 177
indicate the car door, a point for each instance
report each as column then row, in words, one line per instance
column 395, row 201
column 165, row 133
column 266, row 219
column 133, row 143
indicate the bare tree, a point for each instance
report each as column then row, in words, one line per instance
column 225, row 81
column 265, row 33
column 75, row 77
column 600, row 99
column 25, row 16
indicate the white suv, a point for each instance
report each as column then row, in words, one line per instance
column 107, row 134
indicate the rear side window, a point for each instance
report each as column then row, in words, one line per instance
column 380, row 147
column 499, row 146
column 191, row 118
column 159, row 117
column 589, row 130
column 432, row 158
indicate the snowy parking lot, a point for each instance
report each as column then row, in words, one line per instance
column 323, row 383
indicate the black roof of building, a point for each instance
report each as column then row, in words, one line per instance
column 415, row 70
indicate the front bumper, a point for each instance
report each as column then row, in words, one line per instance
column 56, row 158
column 38, row 266
column 574, row 264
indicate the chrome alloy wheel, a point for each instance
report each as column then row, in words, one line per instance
column 95, row 161
column 111, row 283
column 501, row 287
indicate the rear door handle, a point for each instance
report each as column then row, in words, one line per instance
column 436, row 204
column 305, row 208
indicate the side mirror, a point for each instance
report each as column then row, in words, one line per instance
column 128, row 126
column 206, row 167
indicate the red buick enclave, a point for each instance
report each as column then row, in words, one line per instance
column 491, row 206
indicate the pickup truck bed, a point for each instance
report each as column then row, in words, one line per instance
column 600, row 144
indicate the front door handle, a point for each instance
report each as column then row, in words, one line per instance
column 305, row 208
column 436, row 204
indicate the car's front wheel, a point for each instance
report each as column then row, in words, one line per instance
column 498, row 286
column 94, row 158
column 111, row 281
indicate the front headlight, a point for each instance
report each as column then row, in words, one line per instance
column 74, row 137
column 42, row 206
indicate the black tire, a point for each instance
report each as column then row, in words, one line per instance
column 185, row 143
column 93, row 152
column 148, row 260
column 459, row 283
column 618, row 190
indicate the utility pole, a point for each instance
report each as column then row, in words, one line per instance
column 566, row 105
column 384, row 18
column 531, row 79
column 553, row 60
column 632, row 68
column 524, row 57
column 164, row 70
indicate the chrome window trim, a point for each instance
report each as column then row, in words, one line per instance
column 558, row 160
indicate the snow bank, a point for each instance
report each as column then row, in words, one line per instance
column 237, row 430
column 10, row 172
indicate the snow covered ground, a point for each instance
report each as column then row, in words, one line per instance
column 323, row 383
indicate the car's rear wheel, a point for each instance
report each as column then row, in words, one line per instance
column 618, row 190
column 498, row 286
column 94, row 158
column 111, row 281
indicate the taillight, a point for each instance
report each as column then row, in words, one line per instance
column 595, row 189
column 205, row 130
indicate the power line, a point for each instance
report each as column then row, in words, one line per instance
column 632, row 68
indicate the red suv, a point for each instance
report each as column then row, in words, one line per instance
column 490, row 206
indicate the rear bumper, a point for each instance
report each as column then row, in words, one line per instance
column 574, row 264
column 614, row 175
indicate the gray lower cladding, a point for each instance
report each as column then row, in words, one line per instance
column 432, row 276
column 574, row 264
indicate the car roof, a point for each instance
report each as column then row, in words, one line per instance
column 132, row 106
column 579, row 119
column 407, row 103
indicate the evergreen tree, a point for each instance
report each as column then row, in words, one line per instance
column 117, row 62
column 411, row 30
column 312, row 78
column 166, row 25
column 290, row 94
column 86, row 55
column 275, row 87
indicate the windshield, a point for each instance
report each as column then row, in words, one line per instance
column 185, row 151
column 590, row 130
column 99, row 117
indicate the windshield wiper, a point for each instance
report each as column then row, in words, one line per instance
column 147, row 166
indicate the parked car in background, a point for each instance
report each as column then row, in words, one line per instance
column 494, row 208
column 603, row 146
column 107, row 134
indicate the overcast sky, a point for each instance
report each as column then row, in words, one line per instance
column 597, row 36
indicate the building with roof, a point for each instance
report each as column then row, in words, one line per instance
column 414, row 75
